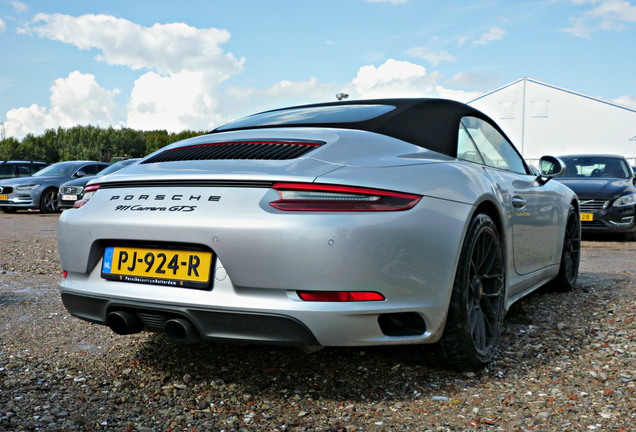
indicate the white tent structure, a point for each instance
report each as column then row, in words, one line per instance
column 542, row 119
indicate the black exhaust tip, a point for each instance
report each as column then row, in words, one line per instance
column 402, row 324
column 181, row 330
column 123, row 323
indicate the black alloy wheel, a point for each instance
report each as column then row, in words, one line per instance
column 571, row 254
column 49, row 202
column 476, row 309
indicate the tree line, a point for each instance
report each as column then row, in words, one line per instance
column 84, row 142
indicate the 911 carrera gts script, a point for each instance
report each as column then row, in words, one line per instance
column 184, row 209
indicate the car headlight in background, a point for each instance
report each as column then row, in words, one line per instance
column 625, row 201
column 27, row 187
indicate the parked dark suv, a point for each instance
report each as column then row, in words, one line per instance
column 20, row 168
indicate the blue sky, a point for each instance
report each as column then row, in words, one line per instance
column 196, row 65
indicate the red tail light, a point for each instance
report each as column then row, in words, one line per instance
column 88, row 193
column 316, row 197
column 339, row 296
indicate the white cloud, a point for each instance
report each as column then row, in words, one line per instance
column 580, row 28
column 472, row 80
column 76, row 99
column 176, row 102
column 396, row 79
column 434, row 58
column 394, row 2
column 493, row 34
column 2, row 26
column 166, row 48
column 603, row 15
column 19, row 6
column 283, row 93
column 187, row 65
column 627, row 100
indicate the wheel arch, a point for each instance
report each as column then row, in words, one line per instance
column 491, row 209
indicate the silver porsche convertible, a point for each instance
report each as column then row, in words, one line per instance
column 377, row 222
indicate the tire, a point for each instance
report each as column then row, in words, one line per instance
column 476, row 310
column 49, row 202
column 570, row 255
column 8, row 209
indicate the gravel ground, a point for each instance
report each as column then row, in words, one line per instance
column 567, row 362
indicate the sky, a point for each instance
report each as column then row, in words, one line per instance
column 199, row 64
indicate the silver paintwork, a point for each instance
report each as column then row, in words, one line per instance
column 265, row 255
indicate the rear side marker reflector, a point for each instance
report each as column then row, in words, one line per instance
column 339, row 296
column 316, row 197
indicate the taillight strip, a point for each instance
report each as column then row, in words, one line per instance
column 342, row 198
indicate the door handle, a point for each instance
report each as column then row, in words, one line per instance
column 518, row 202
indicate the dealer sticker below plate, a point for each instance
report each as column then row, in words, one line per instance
column 178, row 268
column 587, row 217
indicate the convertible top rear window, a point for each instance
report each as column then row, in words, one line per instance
column 311, row 115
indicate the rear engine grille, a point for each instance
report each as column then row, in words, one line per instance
column 247, row 150
column 589, row 206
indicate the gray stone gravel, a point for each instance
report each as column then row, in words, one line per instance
column 567, row 362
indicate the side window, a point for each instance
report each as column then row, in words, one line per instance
column 496, row 151
column 26, row 170
column 466, row 149
column 6, row 171
column 90, row 170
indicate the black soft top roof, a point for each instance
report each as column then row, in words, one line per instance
column 429, row 123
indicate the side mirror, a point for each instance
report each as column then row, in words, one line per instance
column 550, row 166
column 80, row 174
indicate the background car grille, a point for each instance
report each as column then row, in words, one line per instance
column 72, row 190
column 591, row 224
column 252, row 150
column 588, row 206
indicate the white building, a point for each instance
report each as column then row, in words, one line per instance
column 542, row 119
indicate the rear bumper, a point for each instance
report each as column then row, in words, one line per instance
column 212, row 325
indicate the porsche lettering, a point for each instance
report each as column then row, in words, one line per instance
column 176, row 197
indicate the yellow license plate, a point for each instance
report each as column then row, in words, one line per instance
column 587, row 217
column 178, row 268
column 4, row 197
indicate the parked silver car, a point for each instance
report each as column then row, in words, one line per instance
column 379, row 222
column 39, row 191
